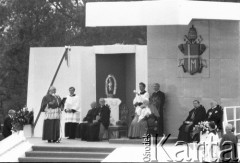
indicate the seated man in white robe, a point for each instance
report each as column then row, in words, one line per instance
column 72, row 116
column 145, row 110
column 139, row 126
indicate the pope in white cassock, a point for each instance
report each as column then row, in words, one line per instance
column 72, row 116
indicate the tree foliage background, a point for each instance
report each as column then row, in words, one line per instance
column 46, row 23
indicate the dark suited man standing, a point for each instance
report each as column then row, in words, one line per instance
column 7, row 126
column 158, row 100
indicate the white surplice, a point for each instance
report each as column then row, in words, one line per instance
column 72, row 102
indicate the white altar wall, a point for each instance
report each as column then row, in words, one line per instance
column 81, row 74
column 42, row 66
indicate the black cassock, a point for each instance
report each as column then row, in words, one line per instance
column 158, row 99
column 82, row 131
column 104, row 120
column 94, row 128
column 196, row 115
column 216, row 115
column 7, row 127
column 104, row 116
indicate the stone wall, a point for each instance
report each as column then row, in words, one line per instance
column 219, row 81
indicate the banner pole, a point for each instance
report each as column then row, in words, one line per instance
column 54, row 77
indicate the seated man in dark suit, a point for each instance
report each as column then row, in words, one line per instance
column 7, row 126
column 215, row 113
column 196, row 115
column 82, row 127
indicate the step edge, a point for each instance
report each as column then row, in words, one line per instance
column 107, row 148
column 65, row 152
column 51, row 158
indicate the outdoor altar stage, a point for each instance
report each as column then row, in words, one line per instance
column 130, row 151
column 115, row 150
column 125, row 150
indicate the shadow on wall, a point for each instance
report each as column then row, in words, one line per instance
column 173, row 111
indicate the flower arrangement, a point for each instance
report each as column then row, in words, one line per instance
column 21, row 118
column 201, row 126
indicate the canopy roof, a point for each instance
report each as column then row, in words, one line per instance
column 161, row 12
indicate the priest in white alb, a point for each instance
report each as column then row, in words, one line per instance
column 72, row 116
column 140, row 97
column 138, row 124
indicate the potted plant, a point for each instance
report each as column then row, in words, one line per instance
column 23, row 120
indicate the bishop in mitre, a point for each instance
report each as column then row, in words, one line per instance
column 72, row 116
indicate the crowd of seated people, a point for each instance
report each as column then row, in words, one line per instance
column 198, row 114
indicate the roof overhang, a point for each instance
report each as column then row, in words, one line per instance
column 161, row 12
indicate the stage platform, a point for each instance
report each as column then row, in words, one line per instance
column 79, row 143
column 75, row 151
column 124, row 149
column 170, row 140
column 114, row 150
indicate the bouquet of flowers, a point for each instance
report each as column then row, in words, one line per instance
column 21, row 118
column 201, row 126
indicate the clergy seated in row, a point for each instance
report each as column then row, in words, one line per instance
column 97, row 130
column 87, row 121
column 196, row 115
column 214, row 114
column 139, row 125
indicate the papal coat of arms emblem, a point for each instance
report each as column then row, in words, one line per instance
column 192, row 50
column 110, row 86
